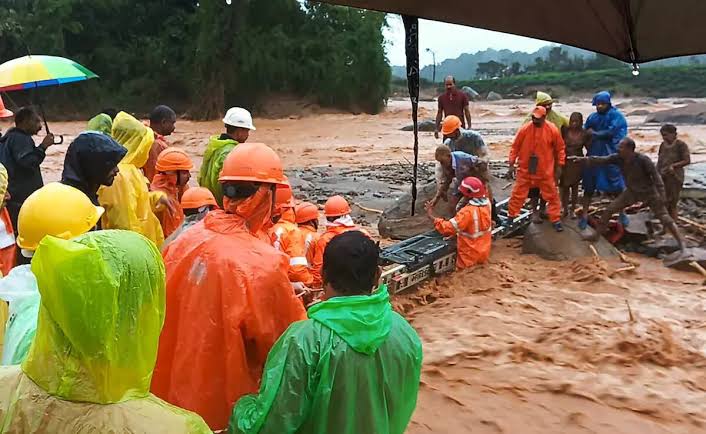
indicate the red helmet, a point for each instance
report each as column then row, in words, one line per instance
column 472, row 187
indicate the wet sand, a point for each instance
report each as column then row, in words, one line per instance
column 520, row 345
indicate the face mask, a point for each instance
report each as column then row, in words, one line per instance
column 256, row 210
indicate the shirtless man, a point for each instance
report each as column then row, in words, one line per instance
column 576, row 139
column 673, row 157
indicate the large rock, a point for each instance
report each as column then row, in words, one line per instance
column 397, row 222
column 426, row 125
column 689, row 114
column 544, row 241
column 494, row 96
column 470, row 93
column 683, row 261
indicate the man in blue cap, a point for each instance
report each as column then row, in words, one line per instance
column 607, row 127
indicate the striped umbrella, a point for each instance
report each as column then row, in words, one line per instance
column 34, row 71
column 38, row 71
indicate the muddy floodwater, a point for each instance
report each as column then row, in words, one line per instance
column 519, row 345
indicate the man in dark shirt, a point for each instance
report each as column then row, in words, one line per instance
column 643, row 184
column 452, row 102
column 21, row 157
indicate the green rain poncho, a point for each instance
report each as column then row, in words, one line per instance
column 101, row 123
column 352, row 368
column 90, row 365
column 216, row 152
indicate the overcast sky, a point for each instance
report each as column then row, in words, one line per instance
column 436, row 35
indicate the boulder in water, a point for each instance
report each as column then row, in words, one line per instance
column 494, row 96
column 470, row 93
column 426, row 125
column 689, row 114
column 544, row 241
column 397, row 221
column 683, row 261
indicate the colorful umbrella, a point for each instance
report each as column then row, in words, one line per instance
column 37, row 71
column 31, row 71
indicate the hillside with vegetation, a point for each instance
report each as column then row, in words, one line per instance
column 203, row 56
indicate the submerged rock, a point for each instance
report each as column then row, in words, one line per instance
column 544, row 241
column 396, row 222
column 427, row 125
column 494, row 96
column 689, row 114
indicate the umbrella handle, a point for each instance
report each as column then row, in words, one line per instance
column 60, row 141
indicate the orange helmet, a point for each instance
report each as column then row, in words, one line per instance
column 173, row 159
column 450, row 124
column 196, row 197
column 305, row 212
column 254, row 162
column 284, row 198
column 4, row 113
column 336, row 206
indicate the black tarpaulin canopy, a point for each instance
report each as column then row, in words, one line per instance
column 633, row 31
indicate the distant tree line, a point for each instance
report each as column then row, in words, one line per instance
column 206, row 55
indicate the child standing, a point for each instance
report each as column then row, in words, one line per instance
column 673, row 157
column 576, row 139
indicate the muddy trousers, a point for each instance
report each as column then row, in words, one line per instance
column 547, row 188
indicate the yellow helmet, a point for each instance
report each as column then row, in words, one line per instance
column 58, row 210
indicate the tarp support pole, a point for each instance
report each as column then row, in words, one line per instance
column 411, row 30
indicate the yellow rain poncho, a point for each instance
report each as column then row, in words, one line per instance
column 90, row 365
column 128, row 203
column 559, row 120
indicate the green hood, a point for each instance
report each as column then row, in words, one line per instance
column 216, row 152
column 363, row 321
column 101, row 313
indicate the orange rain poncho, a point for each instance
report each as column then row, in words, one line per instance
column 311, row 239
column 472, row 227
column 547, row 144
column 228, row 301
column 128, row 203
column 287, row 238
column 341, row 225
column 167, row 184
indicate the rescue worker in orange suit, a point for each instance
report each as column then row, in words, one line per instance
column 287, row 238
column 173, row 165
column 472, row 225
column 196, row 202
column 540, row 152
column 228, row 295
column 338, row 221
column 307, row 218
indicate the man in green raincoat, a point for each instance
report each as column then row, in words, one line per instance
column 238, row 123
column 90, row 365
column 353, row 367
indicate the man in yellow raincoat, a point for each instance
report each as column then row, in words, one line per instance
column 128, row 203
column 90, row 366
column 238, row 123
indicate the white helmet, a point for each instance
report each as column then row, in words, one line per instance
column 239, row 117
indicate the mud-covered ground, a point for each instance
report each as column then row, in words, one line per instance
column 519, row 345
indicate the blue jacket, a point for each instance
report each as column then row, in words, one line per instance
column 609, row 129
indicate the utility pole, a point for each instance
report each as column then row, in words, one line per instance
column 433, row 69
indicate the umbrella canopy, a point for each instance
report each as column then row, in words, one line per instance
column 633, row 31
column 37, row 71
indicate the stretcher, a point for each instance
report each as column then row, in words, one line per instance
column 420, row 258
